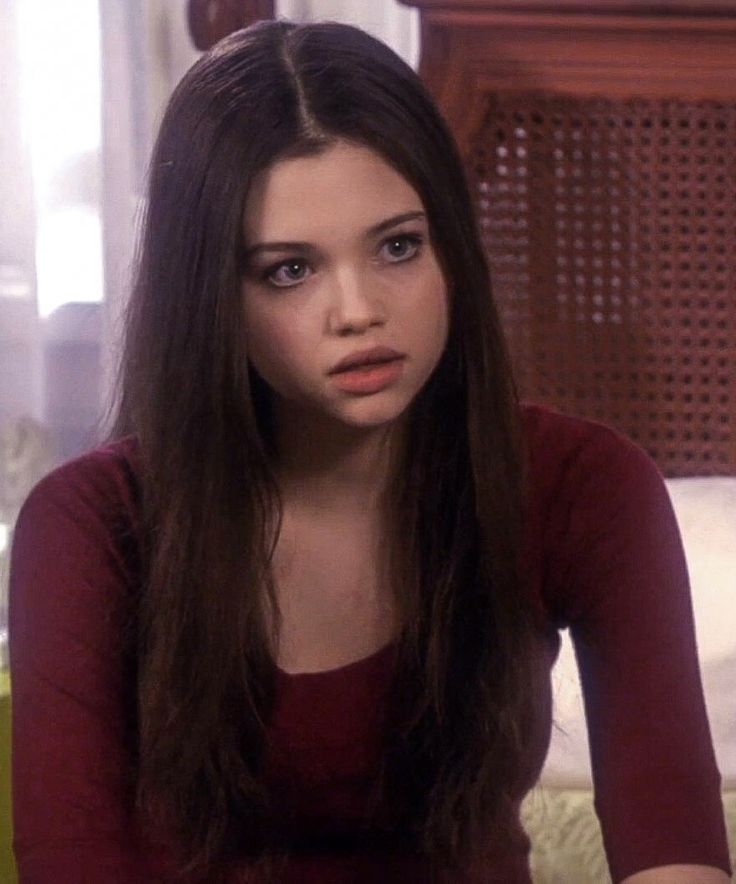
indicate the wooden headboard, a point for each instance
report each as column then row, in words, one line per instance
column 600, row 143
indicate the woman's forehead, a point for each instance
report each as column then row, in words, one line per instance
column 345, row 187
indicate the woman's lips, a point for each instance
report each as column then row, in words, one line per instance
column 369, row 355
column 371, row 378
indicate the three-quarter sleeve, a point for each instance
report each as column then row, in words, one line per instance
column 623, row 582
column 72, row 703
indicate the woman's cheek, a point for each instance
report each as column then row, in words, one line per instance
column 287, row 359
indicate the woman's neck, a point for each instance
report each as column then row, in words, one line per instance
column 336, row 467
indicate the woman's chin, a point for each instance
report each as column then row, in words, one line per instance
column 371, row 415
column 368, row 412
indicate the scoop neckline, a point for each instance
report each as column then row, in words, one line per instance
column 360, row 663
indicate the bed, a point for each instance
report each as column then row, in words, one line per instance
column 600, row 142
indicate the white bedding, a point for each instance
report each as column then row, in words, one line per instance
column 706, row 513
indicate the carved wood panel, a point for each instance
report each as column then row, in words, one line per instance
column 601, row 149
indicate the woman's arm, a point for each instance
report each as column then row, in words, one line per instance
column 73, row 740
column 624, row 583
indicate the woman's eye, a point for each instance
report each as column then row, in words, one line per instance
column 402, row 247
column 287, row 273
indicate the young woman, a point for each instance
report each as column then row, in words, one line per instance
column 296, row 622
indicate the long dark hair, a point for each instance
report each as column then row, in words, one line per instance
column 461, row 702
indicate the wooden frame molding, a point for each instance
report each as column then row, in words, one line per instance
column 471, row 48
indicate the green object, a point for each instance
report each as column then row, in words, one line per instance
column 7, row 864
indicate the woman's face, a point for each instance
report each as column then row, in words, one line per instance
column 339, row 262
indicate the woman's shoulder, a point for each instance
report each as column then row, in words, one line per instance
column 596, row 499
column 585, row 480
column 565, row 448
column 100, row 485
column 75, row 553
column 548, row 430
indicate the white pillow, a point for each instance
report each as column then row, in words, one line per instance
column 706, row 513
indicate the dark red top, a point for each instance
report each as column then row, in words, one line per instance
column 607, row 560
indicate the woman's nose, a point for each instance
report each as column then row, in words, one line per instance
column 355, row 305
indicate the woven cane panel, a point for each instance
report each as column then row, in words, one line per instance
column 611, row 232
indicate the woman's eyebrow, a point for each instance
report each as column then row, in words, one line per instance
column 392, row 222
column 308, row 247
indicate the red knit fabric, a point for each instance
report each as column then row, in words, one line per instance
column 605, row 554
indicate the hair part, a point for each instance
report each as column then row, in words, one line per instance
column 461, row 704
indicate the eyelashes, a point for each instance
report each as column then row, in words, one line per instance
column 413, row 240
column 293, row 271
column 270, row 275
